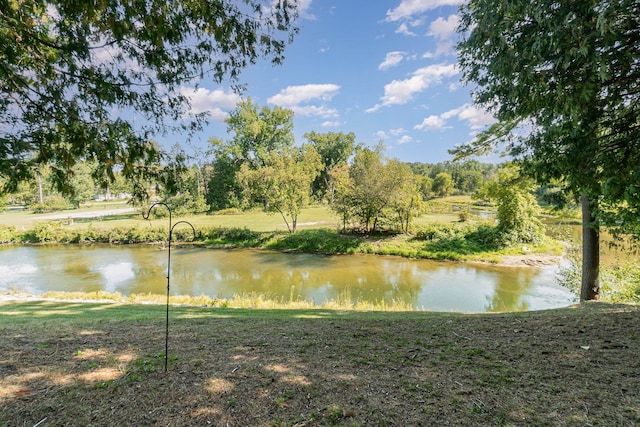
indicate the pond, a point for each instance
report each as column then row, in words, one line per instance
column 422, row 284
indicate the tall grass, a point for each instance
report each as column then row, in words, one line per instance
column 250, row 300
column 619, row 282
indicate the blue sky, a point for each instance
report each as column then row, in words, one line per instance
column 385, row 70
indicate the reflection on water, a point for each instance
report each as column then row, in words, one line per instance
column 423, row 284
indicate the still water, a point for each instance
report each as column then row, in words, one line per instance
column 423, row 284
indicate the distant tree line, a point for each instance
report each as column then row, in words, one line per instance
column 260, row 166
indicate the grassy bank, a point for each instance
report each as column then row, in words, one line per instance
column 103, row 364
column 251, row 300
column 435, row 236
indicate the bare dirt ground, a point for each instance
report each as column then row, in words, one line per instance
column 576, row 367
column 529, row 260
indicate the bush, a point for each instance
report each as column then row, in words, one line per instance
column 324, row 241
column 234, row 236
column 51, row 231
column 229, row 211
column 51, row 204
column 7, row 234
column 460, row 239
column 436, row 231
column 618, row 283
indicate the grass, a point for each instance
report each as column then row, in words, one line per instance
column 103, row 364
column 312, row 217
column 318, row 233
column 66, row 363
column 251, row 300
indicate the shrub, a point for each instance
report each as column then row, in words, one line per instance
column 50, row 204
column 234, row 236
column 320, row 240
column 7, row 234
column 618, row 283
column 438, row 231
column 229, row 211
column 51, row 231
column 459, row 238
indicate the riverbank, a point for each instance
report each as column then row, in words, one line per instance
column 437, row 235
column 454, row 242
column 103, row 364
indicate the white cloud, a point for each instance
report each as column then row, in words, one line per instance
column 405, row 139
column 303, row 9
column 431, row 123
column 401, row 91
column 444, row 29
column 313, row 110
column 404, row 29
column 214, row 102
column 397, row 132
column 331, row 124
column 391, row 60
column 297, row 98
column 475, row 118
column 294, row 95
column 409, row 8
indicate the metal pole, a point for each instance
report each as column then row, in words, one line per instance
column 166, row 334
column 171, row 227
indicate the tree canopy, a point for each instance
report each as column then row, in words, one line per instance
column 97, row 80
column 283, row 183
column 335, row 148
column 563, row 80
column 256, row 132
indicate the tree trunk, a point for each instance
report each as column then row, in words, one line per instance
column 590, row 289
column 40, row 195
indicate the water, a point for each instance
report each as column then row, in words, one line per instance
column 423, row 284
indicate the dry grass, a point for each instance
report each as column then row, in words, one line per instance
column 93, row 364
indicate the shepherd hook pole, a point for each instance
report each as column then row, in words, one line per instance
column 171, row 227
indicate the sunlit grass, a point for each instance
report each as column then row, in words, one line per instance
column 251, row 300
column 318, row 232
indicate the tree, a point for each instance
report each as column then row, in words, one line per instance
column 256, row 134
column 334, row 148
column 223, row 189
column 442, row 184
column 374, row 191
column 425, row 185
column 283, row 182
column 82, row 184
column 406, row 198
column 96, row 81
column 516, row 207
column 468, row 181
column 342, row 203
column 564, row 83
column 370, row 193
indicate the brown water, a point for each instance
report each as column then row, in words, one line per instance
column 427, row 285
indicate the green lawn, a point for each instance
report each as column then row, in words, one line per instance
column 103, row 364
column 312, row 217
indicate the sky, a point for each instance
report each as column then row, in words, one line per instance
column 384, row 70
